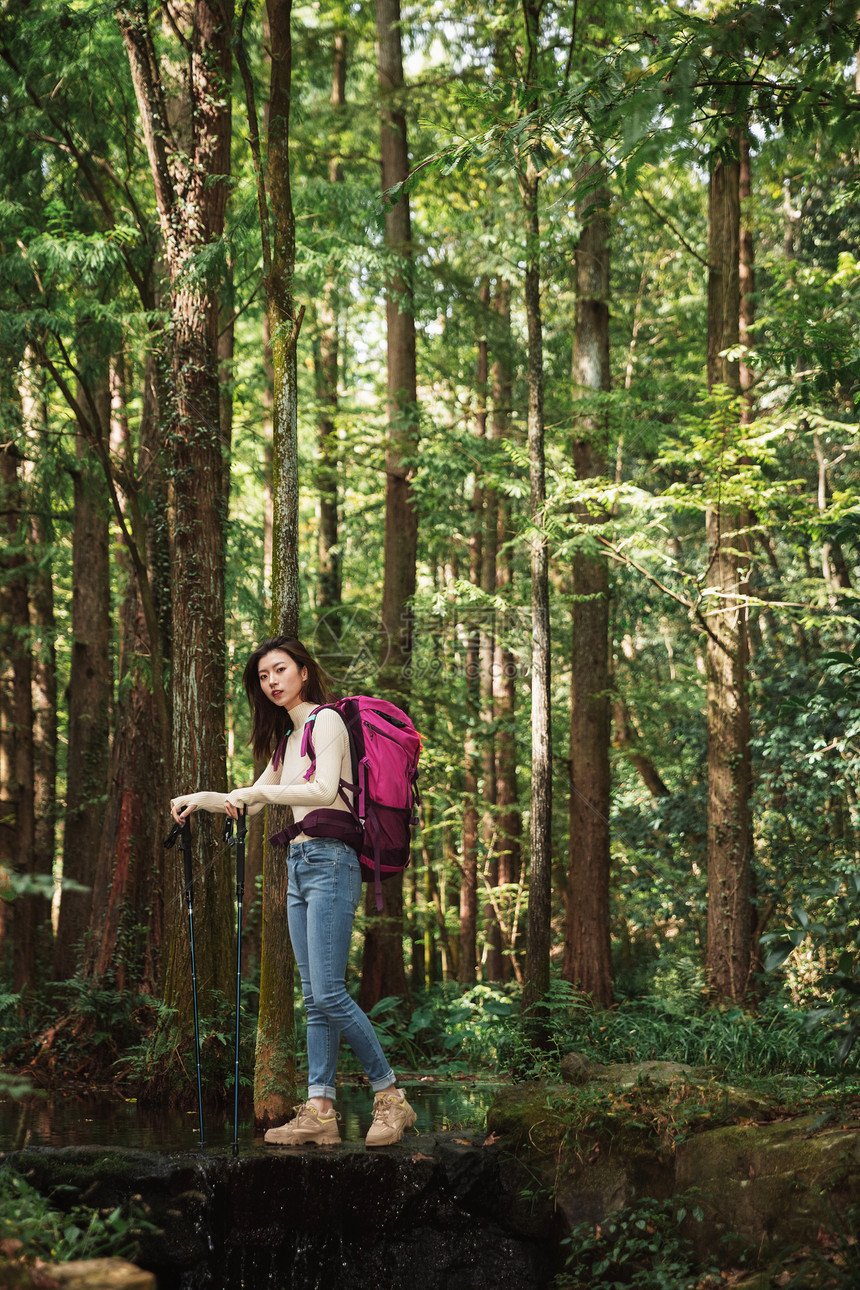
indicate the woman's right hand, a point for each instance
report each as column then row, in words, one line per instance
column 180, row 811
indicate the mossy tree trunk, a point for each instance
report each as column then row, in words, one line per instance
column 188, row 148
column 275, row 1066
column 539, row 935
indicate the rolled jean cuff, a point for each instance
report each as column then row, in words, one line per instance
column 321, row 1090
column 387, row 1080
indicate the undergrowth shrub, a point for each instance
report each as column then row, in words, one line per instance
column 164, row 1059
column 479, row 1028
column 51, row 1234
column 642, row 1245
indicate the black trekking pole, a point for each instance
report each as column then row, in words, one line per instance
column 182, row 833
column 239, row 843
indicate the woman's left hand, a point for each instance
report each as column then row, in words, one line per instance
column 234, row 804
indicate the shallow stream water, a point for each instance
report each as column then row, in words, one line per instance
column 66, row 1121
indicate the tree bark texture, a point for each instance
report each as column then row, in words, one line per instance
column 487, row 521
column 29, row 913
column 505, row 669
column 274, row 1065
column 587, row 951
column 326, row 364
column 401, row 521
column 746, row 278
column 189, row 154
column 383, row 971
column 468, row 953
column 42, row 622
column 89, row 694
column 729, row 769
column 283, row 329
column 540, row 870
column 124, row 947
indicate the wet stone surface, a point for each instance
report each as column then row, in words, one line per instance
column 435, row 1211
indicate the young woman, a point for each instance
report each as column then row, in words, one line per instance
column 284, row 684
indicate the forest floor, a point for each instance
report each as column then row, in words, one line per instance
column 660, row 1169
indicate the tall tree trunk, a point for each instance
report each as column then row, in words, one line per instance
column 326, row 356
column 89, row 694
column 508, row 820
column 42, row 622
column 18, row 823
column 275, row 1066
column 401, row 521
column 124, row 947
column 468, row 952
column 540, row 836
column 382, row 966
column 729, row 771
column 226, row 350
column 488, row 521
column 189, row 158
column 746, row 278
column 587, row 952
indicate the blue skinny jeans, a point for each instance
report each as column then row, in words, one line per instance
column 322, row 897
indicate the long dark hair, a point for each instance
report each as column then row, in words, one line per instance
column 271, row 723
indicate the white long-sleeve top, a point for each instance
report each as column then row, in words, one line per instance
column 287, row 785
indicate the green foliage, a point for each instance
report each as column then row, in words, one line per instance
column 479, row 1029
column 448, row 1028
column 732, row 1043
column 824, row 925
column 59, row 1236
column 17, row 1087
column 641, row 1245
column 165, row 1056
column 829, row 926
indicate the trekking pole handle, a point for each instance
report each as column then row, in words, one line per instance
column 238, row 841
column 241, row 831
column 181, row 833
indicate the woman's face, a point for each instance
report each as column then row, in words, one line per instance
column 281, row 678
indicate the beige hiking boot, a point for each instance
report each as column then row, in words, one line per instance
column 308, row 1127
column 392, row 1115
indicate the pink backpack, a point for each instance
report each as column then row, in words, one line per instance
column 384, row 746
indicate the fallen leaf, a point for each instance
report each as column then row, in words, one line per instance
column 419, row 1155
column 464, row 1142
column 491, row 1140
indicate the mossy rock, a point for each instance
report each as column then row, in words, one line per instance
column 528, row 1114
column 769, row 1186
column 649, row 1105
column 764, row 1185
